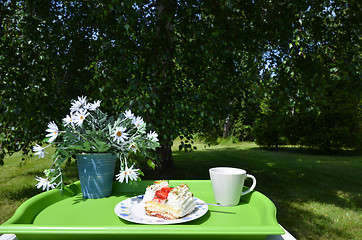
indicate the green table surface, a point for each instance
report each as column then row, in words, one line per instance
column 50, row 215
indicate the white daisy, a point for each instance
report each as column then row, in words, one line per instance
column 138, row 121
column 39, row 150
column 69, row 119
column 52, row 131
column 80, row 116
column 120, row 134
column 133, row 147
column 153, row 136
column 128, row 114
column 128, row 173
column 94, row 106
column 44, row 183
column 80, row 104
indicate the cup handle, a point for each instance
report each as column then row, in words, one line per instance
column 252, row 186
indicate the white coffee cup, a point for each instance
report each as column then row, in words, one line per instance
column 227, row 184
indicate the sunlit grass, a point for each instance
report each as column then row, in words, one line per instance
column 328, row 221
column 17, row 181
column 317, row 196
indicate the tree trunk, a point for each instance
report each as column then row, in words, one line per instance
column 226, row 130
column 165, row 155
column 165, row 51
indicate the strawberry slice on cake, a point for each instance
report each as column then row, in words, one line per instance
column 160, row 200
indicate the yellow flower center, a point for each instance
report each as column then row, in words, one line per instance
column 119, row 134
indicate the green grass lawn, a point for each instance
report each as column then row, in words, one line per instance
column 17, row 182
column 317, row 196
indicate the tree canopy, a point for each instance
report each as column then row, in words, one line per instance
column 289, row 70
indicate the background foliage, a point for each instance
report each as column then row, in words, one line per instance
column 284, row 72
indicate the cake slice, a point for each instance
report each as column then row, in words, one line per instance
column 160, row 200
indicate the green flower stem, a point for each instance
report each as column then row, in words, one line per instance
column 133, row 134
column 76, row 132
column 95, row 121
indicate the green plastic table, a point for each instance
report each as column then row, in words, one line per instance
column 50, row 215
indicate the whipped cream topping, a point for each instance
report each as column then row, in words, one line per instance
column 181, row 199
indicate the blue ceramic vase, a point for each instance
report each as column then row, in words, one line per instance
column 96, row 172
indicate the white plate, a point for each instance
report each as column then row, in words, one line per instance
column 132, row 209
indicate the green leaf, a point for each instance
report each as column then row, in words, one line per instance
column 151, row 164
column 101, row 146
column 87, row 146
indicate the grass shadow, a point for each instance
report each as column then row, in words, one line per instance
column 25, row 192
column 313, row 151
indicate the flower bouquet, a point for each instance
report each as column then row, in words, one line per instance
column 89, row 130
